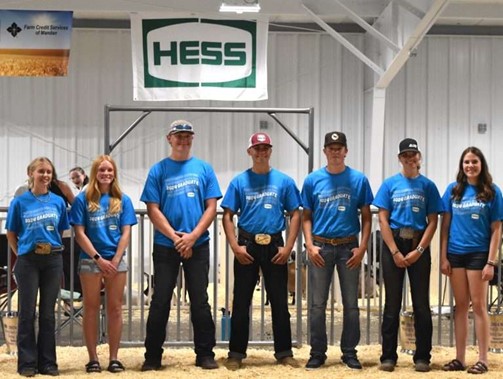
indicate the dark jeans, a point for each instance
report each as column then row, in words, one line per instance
column 419, row 278
column 34, row 272
column 245, row 280
column 166, row 266
column 320, row 279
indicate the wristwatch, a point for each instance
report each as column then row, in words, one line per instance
column 420, row 249
column 96, row 257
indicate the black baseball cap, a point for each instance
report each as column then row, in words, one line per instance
column 408, row 144
column 335, row 137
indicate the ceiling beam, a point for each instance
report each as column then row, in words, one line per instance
column 348, row 45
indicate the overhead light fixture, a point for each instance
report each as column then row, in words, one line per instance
column 240, row 6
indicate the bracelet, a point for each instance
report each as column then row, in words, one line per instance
column 395, row 253
column 491, row 263
column 96, row 257
column 420, row 249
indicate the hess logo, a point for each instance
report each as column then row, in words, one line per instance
column 196, row 52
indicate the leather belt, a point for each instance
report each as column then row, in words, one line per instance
column 261, row 238
column 407, row 233
column 335, row 241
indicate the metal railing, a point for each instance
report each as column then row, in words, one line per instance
column 179, row 331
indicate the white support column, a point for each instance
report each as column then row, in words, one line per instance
column 375, row 173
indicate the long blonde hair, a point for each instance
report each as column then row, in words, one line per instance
column 93, row 193
column 33, row 166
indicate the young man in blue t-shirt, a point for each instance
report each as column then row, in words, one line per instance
column 261, row 195
column 181, row 194
column 332, row 197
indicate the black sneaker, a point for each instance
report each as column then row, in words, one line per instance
column 50, row 370
column 207, row 363
column 314, row 362
column 352, row 362
column 150, row 366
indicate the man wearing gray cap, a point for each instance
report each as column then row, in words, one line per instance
column 331, row 197
column 181, row 194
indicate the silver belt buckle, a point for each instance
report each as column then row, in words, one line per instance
column 406, row 233
column 262, row 239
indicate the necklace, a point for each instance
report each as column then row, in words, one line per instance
column 43, row 198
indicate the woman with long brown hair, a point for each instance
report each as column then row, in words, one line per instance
column 470, row 237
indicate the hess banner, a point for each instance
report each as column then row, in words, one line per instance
column 198, row 58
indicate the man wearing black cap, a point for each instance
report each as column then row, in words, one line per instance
column 261, row 194
column 181, row 194
column 331, row 197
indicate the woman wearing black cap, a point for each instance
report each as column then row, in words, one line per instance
column 409, row 204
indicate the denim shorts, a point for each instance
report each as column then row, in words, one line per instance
column 89, row 266
column 471, row 261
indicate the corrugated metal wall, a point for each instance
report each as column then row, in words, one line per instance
column 440, row 97
column 453, row 84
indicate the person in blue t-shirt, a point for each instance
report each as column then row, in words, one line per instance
column 261, row 195
column 35, row 222
column 102, row 217
column 470, row 238
column 332, row 197
column 181, row 194
column 409, row 204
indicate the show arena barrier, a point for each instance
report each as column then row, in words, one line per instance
column 179, row 330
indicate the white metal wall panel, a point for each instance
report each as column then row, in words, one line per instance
column 440, row 97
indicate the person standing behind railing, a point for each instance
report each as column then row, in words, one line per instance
column 35, row 222
column 470, row 238
column 409, row 204
column 181, row 194
column 261, row 195
column 79, row 179
column 102, row 217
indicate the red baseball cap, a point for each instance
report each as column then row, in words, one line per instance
column 259, row 139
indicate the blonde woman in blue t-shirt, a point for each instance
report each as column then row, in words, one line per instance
column 102, row 217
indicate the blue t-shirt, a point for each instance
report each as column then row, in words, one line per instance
column 334, row 200
column 262, row 200
column 103, row 229
column 409, row 201
column 471, row 219
column 181, row 189
column 37, row 219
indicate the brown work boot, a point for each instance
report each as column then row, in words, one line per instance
column 288, row 361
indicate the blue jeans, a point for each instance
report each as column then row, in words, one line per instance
column 245, row 280
column 34, row 272
column 166, row 265
column 419, row 278
column 320, row 279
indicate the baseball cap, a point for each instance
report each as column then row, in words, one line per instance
column 335, row 137
column 259, row 139
column 181, row 126
column 408, row 144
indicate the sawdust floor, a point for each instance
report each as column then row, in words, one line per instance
column 259, row 364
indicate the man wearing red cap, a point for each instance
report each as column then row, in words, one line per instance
column 261, row 195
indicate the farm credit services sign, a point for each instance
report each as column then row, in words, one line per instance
column 198, row 59
column 35, row 43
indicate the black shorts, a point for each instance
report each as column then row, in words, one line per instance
column 471, row 261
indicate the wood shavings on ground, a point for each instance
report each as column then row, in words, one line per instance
column 260, row 363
